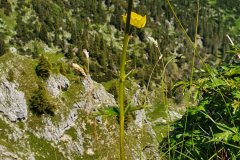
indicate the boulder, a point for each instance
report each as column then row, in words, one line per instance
column 12, row 102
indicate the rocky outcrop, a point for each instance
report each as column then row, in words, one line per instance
column 57, row 83
column 12, row 102
column 55, row 131
column 95, row 96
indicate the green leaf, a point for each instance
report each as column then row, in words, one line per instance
column 210, row 70
column 236, row 106
column 135, row 108
column 221, row 136
column 178, row 136
column 233, row 71
column 216, row 82
column 201, row 107
column 236, row 138
column 127, row 109
column 236, row 94
column 110, row 112
column 221, row 126
column 180, row 83
column 196, row 95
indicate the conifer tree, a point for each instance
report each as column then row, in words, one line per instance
column 3, row 48
column 43, row 68
column 40, row 103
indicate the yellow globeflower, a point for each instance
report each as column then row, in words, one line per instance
column 136, row 20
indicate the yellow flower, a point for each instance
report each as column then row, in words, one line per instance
column 136, row 20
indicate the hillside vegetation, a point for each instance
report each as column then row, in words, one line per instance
column 59, row 78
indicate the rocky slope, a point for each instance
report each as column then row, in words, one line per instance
column 74, row 132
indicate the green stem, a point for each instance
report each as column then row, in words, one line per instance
column 195, row 44
column 122, row 79
column 121, row 95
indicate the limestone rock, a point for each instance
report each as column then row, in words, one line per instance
column 95, row 97
column 12, row 102
column 57, row 83
column 55, row 131
column 174, row 116
column 161, row 121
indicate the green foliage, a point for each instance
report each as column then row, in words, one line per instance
column 6, row 6
column 69, row 55
column 62, row 69
column 51, row 21
column 3, row 47
column 210, row 129
column 36, row 50
column 40, row 102
column 116, row 16
column 43, row 69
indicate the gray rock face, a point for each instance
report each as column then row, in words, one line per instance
column 140, row 118
column 55, row 131
column 96, row 96
column 12, row 102
column 57, row 83
column 174, row 116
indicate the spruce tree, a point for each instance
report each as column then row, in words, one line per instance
column 43, row 68
column 40, row 103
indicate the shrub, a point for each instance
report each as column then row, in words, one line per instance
column 40, row 103
column 43, row 68
column 3, row 48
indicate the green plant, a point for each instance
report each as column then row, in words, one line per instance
column 36, row 50
column 209, row 130
column 62, row 69
column 139, row 22
column 40, row 102
column 212, row 127
column 3, row 47
column 6, row 6
column 43, row 69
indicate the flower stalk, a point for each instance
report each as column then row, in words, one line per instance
column 122, row 79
